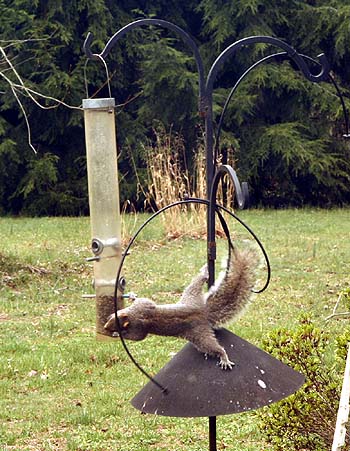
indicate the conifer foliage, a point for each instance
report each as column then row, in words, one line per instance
column 285, row 131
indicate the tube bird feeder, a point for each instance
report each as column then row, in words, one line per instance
column 102, row 168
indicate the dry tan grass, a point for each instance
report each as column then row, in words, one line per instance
column 170, row 180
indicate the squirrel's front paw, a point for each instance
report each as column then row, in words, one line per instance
column 226, row 364
column 204, row 271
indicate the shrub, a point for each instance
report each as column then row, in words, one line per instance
column 305, row 420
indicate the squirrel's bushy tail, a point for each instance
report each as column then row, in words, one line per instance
column 232, row 293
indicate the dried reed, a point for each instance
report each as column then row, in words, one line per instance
column 170, row 180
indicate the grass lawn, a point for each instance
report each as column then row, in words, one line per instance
column 60, row 389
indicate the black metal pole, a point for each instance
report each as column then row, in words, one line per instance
column 212, row 434
column 210, row 165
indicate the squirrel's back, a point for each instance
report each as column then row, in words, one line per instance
column 231, row 294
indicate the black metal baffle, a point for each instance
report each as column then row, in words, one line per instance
column 198, row 387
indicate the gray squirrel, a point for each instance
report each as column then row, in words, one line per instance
column 196, row 316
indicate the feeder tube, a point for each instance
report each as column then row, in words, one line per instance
column 101, row 152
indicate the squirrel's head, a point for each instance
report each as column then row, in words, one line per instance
column 132, row 320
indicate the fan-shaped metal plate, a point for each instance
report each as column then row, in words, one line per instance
column 198, row 387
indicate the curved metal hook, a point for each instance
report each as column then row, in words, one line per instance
column 221, row 171
column 214, row 71
column 141, row 22
column 233, row 90
column 340, row 95
column 87, row 47
column 263, row 60
column 292, row 53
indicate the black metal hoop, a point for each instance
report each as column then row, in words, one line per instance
column 133, row 239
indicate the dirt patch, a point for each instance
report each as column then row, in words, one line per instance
column 54, row 444
column 4, row 317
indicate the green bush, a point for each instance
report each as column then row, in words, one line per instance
column 305, row 420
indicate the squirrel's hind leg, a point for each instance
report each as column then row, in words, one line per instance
column 205, row 341
column 193, row 293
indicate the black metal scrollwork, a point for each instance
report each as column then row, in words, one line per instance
column 215, row 173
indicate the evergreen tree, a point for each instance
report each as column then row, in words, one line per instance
column 286, row 131
column 44, row 41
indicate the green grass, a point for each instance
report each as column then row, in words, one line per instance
column 60, row 389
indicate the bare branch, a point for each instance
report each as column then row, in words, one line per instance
column 29, row 91
column 18, row 64
column 12, row 42
column 24, row 90
column 337, row 315
column 26, row 119
column 334, row 313
column 129, row 100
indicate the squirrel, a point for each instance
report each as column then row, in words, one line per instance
column 196, row 316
